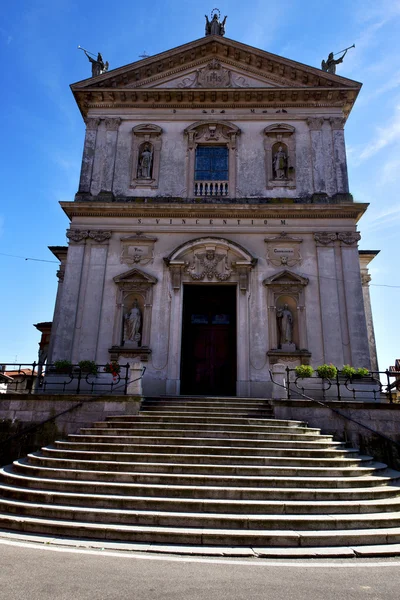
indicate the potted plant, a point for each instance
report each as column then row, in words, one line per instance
column 88, row 366
column 304, row 371
column 327, row 371
column 113, row 367
column 62, row 366
column 362, row 372
column 348, row 371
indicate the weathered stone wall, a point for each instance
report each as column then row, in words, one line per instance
column 382, row 418
column 19, row 412
column 319, row 159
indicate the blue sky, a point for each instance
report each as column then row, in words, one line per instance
column 43, row 132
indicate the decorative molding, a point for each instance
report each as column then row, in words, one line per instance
column 283, row 250
column 100, row 236
column 349, row 237
column 210, row 259
column 141, row 353
column 77, row 235
column 137, row 249
column 61, row 273
column 286, row 281
column 365, row 279
column 324, row 238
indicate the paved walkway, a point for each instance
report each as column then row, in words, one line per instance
column 45, row 572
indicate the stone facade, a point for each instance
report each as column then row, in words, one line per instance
column 278, row 227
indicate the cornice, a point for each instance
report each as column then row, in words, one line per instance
column 197, row 98
column 224, row 211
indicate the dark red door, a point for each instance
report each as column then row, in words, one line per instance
column 209, row 340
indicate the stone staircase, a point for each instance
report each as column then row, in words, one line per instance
column 204, row 472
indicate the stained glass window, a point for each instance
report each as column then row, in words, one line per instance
column 211, row 163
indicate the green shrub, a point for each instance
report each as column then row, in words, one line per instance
column 303, row 371
column 348, row 371
column 88, row 366
column 362, row 371
column 63, row 366
column 327, row 371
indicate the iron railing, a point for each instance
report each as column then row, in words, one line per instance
column 36, row 378
column 342, row 388
column 5, row 443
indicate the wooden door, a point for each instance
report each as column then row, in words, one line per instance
column 209, row 341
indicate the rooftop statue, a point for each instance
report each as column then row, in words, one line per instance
column 330, row 65
column 98, row 65
column 215, row 26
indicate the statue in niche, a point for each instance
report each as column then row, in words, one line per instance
column 215, row 26
column 132, row 324
column 280, row 164
column 285, row 328
column 145, row 162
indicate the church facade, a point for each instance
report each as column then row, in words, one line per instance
column 213, row 233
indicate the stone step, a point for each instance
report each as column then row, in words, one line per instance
column 275, row 438
column 209, row 400
column 121, row 436
column 195, row 445
column 199, row 491
column 63, row 451
column 188, row 410
column 210, row 521
column 200, row 536
column 227, row 420
column 209, row 479
column 219, row 430
column 61, row 464
column 389, row 503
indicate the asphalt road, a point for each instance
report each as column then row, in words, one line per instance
column 42, row 573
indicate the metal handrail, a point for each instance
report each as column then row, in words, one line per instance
column 31, row 428
column 334, row 410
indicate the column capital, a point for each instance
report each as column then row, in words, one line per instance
column 337, row 123
column 92, row 123
column 112, row 124
column 77, row 235
column 325, row 238
column 350, row 238
column 315, row 123
column 100, row 236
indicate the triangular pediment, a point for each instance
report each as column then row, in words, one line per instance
column 258, row 65
column 286, row 278
column 135, row 276
column 216, row 65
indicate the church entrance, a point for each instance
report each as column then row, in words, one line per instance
column 208, row 365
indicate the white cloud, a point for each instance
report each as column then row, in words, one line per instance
column 385, row 135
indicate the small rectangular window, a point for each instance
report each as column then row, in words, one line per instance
column 211, row 163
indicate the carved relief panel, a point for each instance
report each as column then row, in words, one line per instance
column 137, row 249
column 210, row 260
column 283, row 250
column 280, row 155
column 146, row 150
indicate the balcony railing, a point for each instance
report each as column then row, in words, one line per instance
column 211, row 188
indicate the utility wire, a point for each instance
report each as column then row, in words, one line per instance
column 29, row 258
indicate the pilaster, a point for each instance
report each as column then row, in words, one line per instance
column 339, row 153
column 317, row 151
column 88, row 155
